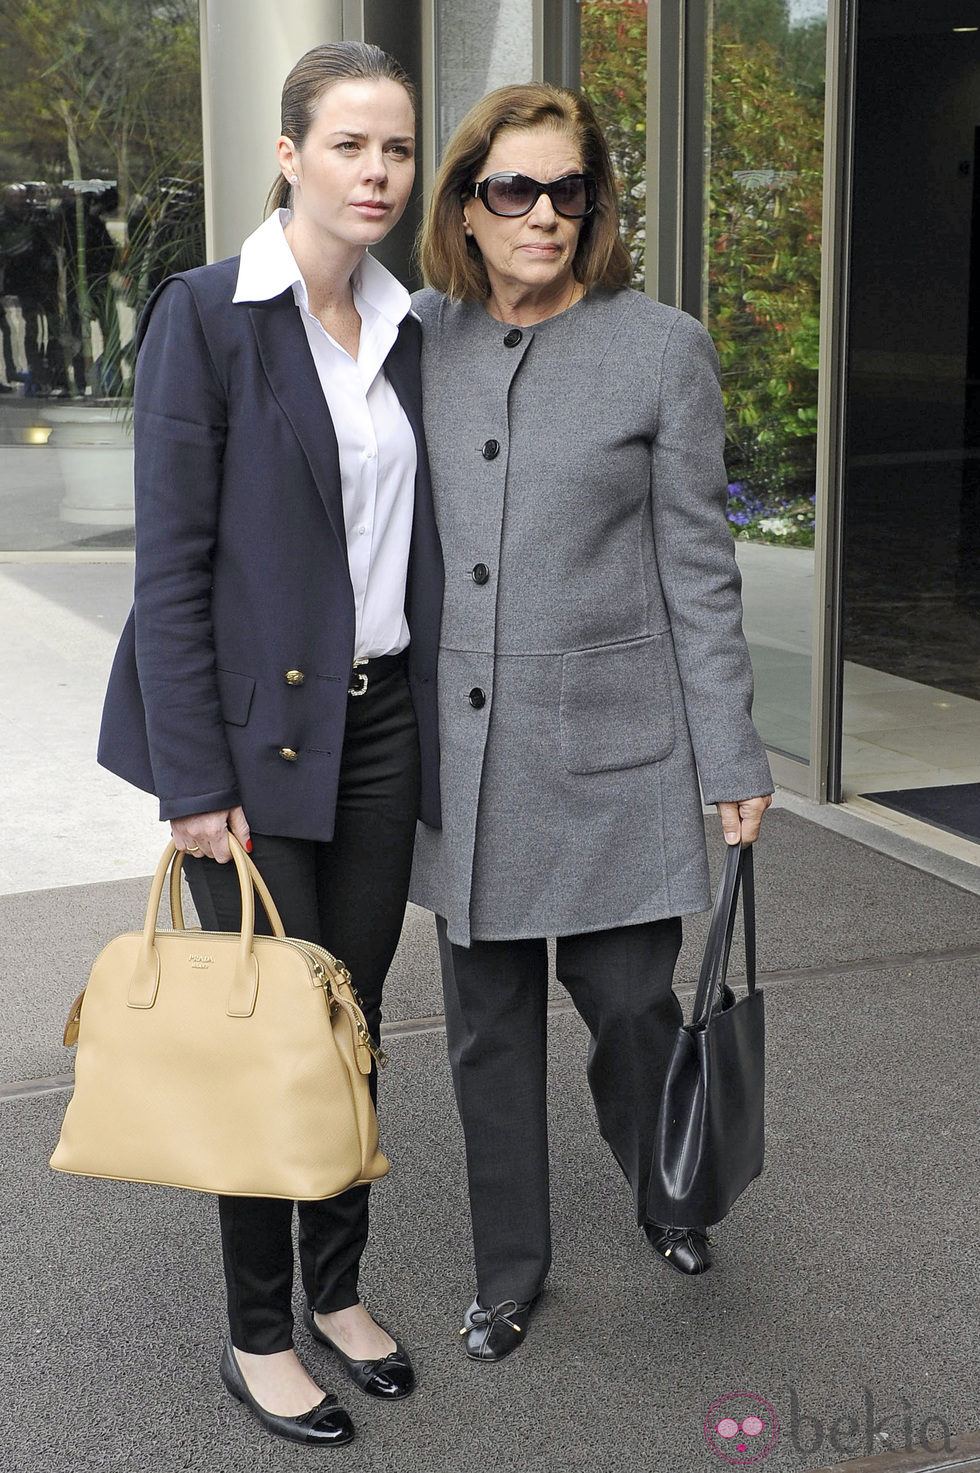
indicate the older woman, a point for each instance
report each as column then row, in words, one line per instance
column 592, row 665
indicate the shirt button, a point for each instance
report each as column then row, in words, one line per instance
column 361, row 531
column 287, row 754
column 295, row 677
column 512, row 338
column 478, row 698
column 481, row 573
column 491, row 450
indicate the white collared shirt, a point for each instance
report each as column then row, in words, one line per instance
column 378, row 455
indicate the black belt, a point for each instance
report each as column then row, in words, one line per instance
column 378, row 667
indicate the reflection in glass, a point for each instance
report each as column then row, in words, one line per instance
column 911, row 718
column 100, row 198
column 480, row 45
column 761, row 294
column 614, row 78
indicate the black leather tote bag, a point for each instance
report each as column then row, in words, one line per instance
column 710, row 1130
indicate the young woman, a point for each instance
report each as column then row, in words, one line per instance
column 276, row 678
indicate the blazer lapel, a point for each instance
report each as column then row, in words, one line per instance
column 404, row 375
column 289, row 367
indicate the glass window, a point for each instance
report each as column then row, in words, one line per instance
column 911, row 606
column 761, row 295
column 614, row 78
column 100, row 198
column 480, row 44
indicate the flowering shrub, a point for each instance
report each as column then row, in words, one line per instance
column 783, row 523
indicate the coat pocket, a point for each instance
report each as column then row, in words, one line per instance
column 616, row 710
column 235, row 694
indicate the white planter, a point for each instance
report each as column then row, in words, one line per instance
column 94, row 446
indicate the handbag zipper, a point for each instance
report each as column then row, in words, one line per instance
column 314, row 952
column 319, row 971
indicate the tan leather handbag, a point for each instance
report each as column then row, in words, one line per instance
column 221, row 1062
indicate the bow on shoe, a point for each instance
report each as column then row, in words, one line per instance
column 480, row 1317
column 685, row 1249
column 494, row 1332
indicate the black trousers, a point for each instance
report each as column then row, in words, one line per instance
column 349, row 896
column 496, row 995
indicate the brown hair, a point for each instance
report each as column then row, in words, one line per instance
column 451, row 260
column 316, row 72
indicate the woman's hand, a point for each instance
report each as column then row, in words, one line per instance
column 205, row 835
column 741, row 821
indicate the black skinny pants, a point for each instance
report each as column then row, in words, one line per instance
column 349, row 896
column 496, row 997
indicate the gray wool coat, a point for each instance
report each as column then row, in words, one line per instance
column 592, row 664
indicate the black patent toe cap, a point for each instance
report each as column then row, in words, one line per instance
column 393, row 1377
column 327, row 1423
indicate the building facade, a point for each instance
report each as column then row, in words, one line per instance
column 801, row 175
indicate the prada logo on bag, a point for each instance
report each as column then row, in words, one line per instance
column 199, row 961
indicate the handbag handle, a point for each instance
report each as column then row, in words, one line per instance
column 244, row 988
column 737, row 875
column 264, row 893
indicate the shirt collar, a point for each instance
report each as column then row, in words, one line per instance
column 267, row 268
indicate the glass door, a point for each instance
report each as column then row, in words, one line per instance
column 911, row 491
column 759, row 294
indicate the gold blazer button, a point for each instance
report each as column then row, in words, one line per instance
column 295, row 677
column 287, row 754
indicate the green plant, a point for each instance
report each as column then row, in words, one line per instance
column 614, row 78
column 763, row 276
column 764, row 196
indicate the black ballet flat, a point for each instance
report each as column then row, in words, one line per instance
column 493, row 1333
column 389, row 1379
column 326, row 1424
column 685, row 1249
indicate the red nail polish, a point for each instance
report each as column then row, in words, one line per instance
column 248, row 846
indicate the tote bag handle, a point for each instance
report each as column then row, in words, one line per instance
column 737, row 875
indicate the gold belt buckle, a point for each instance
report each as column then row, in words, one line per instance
column 361, row 678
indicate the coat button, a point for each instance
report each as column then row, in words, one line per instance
column 478, row 698
column 295, row 677
column 287, row 754
column 481, row 573
column 512, row 338
column 491, row 450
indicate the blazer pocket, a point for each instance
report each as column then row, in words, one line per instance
column 615, row 708
column 235, row 694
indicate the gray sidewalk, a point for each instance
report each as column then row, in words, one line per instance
column 845, row 1286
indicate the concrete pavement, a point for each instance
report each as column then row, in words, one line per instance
column 845, row 1288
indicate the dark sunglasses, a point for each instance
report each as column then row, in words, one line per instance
column 573, row 195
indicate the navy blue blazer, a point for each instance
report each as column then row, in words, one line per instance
column 241, row 567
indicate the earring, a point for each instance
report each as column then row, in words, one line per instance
column 294, row 178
